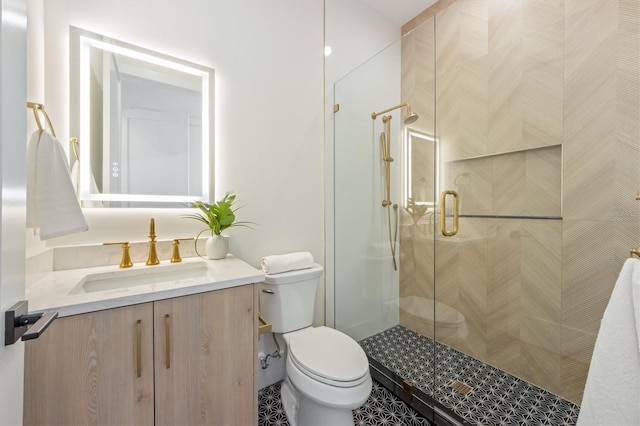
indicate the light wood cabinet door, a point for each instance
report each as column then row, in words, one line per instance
column 84, row 370
column 205, row 348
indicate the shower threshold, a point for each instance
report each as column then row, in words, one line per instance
column 468, row 391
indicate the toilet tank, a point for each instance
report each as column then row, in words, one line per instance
column 287, row 300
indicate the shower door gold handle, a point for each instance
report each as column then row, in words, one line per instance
column 443, row 213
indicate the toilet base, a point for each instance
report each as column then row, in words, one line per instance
column 302, row 411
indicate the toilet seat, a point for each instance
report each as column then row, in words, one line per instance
column 329, row 356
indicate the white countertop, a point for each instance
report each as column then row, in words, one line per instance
column 52, row 291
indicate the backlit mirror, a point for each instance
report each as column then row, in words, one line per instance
column 144, row 123
column 421, row 168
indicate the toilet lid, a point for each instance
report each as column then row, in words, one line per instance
column 329, row 356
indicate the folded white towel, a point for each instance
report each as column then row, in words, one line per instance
column 277, row 264
column 611, row 394
column 52, row 204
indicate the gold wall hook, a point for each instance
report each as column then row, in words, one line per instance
column 37, row 109
column 74, row 147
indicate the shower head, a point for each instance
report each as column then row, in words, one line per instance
column 408, row 119
column 411, row 116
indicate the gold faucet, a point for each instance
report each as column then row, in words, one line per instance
column 126, row 258
column 175, row 256
column 153, row 256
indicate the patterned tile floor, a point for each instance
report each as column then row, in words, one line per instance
column 382, row 408
column 497, row 398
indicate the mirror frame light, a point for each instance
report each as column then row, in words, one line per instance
column 85, row 40
column 409, row 135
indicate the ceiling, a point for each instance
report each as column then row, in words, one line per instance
column 400, row 11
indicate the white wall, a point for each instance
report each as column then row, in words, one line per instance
column 269, row 125
column 268, row 60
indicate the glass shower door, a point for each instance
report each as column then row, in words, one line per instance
column 385, row 199
column 366, row 284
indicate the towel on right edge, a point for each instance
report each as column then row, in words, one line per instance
column 612, row 393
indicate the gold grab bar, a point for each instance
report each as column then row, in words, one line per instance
column 39, row 107
column 635, row 252
column 443, row 213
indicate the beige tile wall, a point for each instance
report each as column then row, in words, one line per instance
column 556, row 84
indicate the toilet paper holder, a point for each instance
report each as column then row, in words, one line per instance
column 264, row 327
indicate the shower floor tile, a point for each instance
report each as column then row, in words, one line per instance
column 497, row 398
column 382, row 408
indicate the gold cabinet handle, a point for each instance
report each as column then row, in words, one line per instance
column 139, row 348
column 443, row 213
column 167, row 341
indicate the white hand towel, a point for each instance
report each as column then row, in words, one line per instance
column 52, row 204
column 277, row 264
column 612, row 391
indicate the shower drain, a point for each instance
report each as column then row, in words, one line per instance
column 460, row 387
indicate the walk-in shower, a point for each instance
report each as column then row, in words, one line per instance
column 529, row 129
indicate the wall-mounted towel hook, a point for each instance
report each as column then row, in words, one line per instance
column 40, row 108
column 74, row 147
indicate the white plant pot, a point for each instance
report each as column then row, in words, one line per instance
column 217, row 247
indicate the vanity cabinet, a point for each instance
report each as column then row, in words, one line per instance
column 206, row 351
column 187, row 360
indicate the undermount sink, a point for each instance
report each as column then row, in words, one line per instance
column 143, row 275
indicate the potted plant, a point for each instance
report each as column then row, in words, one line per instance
column 217, row 217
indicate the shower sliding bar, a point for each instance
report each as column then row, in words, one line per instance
column 385, row 149
column 387, row 159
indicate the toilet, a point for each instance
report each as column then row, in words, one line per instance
column 326, row 371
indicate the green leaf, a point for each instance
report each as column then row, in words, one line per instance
column 218, row 216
